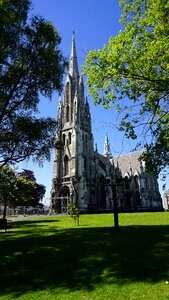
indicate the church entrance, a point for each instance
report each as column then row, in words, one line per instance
column 64, row 199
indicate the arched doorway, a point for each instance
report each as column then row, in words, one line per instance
column 64, row 199
column 64, row 192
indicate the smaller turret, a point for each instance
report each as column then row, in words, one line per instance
column 59, row 109
column 107, row 151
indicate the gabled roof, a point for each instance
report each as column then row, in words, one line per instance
column 102, row 159
column 128, row 162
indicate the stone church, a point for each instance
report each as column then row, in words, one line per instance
column 86, row 177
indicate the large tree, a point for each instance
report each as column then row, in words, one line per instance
column 38, row 191
column 31, row 65
column 131, row 74
column 14, row 190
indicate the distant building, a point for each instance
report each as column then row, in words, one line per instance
column 166, row 200
column 81, row 174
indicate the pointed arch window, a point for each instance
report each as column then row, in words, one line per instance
column 69, row 138
column 126, row 183
column 67, row 113
column 63, row 139
column 67, row 92
column 136, row 181
column 66, row 166
column 85, row 166
column 138, row 199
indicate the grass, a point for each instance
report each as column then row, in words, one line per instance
column 50, row 258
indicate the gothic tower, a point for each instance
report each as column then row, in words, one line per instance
column 82, row 175
column 72, row 171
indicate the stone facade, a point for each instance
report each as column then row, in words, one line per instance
column 80, row 173
column 166, row 200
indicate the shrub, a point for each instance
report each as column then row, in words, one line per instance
column 74, row 212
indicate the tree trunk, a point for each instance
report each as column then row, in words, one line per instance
column 116, row 220
column 4, row 213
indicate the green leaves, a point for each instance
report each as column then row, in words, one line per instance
column 132, row 70
column 23, row 137
column 19, row 188
column 31, row 64
column 14, row 189
column 74, row 212
column 36, row 194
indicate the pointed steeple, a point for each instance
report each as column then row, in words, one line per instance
column 73, row 65
column 87, row 103
column 107, row 151
column 59, row 109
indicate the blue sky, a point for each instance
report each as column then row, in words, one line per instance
column 94, row 22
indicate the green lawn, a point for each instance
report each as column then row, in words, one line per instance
column 50, row 258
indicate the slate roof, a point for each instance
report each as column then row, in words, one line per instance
column 128, row 163
column 103, row 161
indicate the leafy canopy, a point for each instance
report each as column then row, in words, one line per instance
column 131, row 74
column 31, row 65
column 14, row 190
column 38, row 191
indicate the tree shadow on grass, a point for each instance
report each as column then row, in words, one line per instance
column 38, row 221
column 30, row 221
column 81, row 258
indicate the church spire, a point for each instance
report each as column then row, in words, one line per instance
column 107, row 151
column 73, row 65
